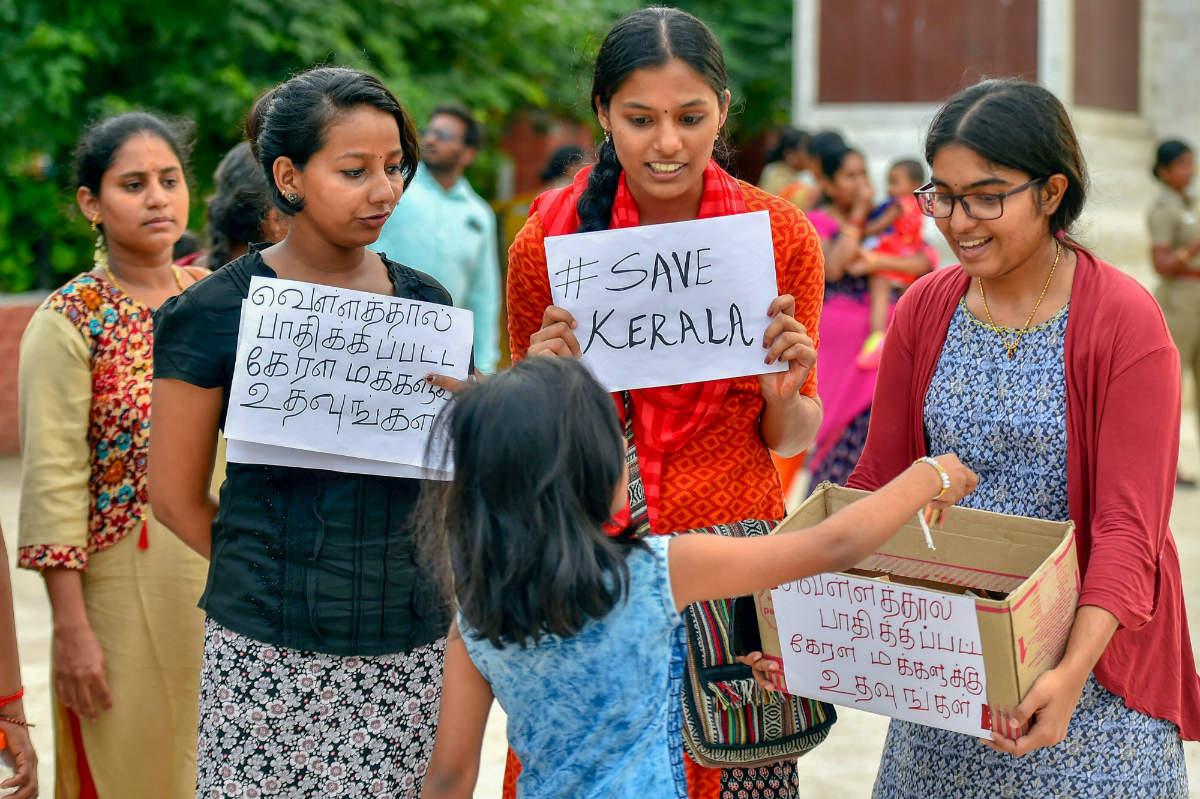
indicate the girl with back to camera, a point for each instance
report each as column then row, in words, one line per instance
column 126, row 639
column 660, row 92
column 549, row 602
column 1054, row 377
column 323, row 649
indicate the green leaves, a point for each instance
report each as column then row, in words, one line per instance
column 70, row 61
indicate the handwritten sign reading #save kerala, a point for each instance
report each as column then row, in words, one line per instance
column 338, row 372
column 885, row 648
column 659, row 305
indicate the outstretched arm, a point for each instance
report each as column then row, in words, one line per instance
column 712, row 567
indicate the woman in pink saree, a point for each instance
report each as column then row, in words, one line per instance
column 844, row 387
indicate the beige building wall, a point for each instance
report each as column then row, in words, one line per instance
column 1118, row 145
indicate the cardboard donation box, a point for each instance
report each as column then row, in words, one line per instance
column 930, row 636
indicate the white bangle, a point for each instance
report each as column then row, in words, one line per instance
column 942, row 473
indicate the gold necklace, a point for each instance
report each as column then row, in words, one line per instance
column 1011, row 346
column 113, row 278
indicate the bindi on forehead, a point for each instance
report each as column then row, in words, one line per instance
column 364, row 156
column 634, row 105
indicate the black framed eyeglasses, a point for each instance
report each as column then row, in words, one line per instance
column 983, row 207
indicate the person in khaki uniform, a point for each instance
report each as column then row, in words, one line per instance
column 1175, row 252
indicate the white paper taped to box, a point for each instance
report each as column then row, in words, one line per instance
column 884, row 648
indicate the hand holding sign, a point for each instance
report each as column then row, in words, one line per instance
column 786, row 341
column 557, row 335
column 335, row 378
column 659, row 305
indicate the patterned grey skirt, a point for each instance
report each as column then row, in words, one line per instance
column 1110, row 752
column 277, row 722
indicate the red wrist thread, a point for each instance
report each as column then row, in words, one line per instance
column 8, row 700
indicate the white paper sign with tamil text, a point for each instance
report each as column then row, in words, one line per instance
column 238, row 451
column 338, row 372
column 886, row 648
column 659, row 305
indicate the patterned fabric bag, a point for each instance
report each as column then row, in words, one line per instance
column 727, row 719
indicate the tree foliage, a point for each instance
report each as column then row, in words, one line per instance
column 72, row 61
column 757, row 40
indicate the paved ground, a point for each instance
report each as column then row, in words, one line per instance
column 844, row 766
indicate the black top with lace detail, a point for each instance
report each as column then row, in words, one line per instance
column 308, row 559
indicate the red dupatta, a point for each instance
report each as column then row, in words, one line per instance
column 664, row 418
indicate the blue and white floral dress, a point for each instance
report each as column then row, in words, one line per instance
column 1006, row 419
column 599, row 714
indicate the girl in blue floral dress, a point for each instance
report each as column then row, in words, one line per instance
column 579, row 634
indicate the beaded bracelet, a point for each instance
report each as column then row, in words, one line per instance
column 942, row 473
column 16, row 721
column 8, row 700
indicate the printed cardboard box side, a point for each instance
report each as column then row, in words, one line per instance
column 885, row 637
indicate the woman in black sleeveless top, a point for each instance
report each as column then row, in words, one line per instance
column 324, row 639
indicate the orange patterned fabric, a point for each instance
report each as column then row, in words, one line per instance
column 724, row 473
column 702, row 783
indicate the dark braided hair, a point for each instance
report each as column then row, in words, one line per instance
column 649, row 37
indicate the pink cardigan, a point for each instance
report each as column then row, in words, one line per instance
column 1123, row 397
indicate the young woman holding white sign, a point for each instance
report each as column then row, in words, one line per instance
column 126, row 652
column 1053, row 376
column 323, row 654
column 660, row 91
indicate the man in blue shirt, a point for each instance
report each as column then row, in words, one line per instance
column 442, row 227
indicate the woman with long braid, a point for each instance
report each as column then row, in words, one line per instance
column 660, row 91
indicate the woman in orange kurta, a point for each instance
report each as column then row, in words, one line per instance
column 709, row 461
column 724, row 472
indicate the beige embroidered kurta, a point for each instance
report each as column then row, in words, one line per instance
column 140, row 602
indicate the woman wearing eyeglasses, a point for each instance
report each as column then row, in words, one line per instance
column 845, row 388
column 1052, row 375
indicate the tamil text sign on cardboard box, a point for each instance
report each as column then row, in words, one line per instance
column 931, row 636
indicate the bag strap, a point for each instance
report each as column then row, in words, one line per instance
column 639, row 512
